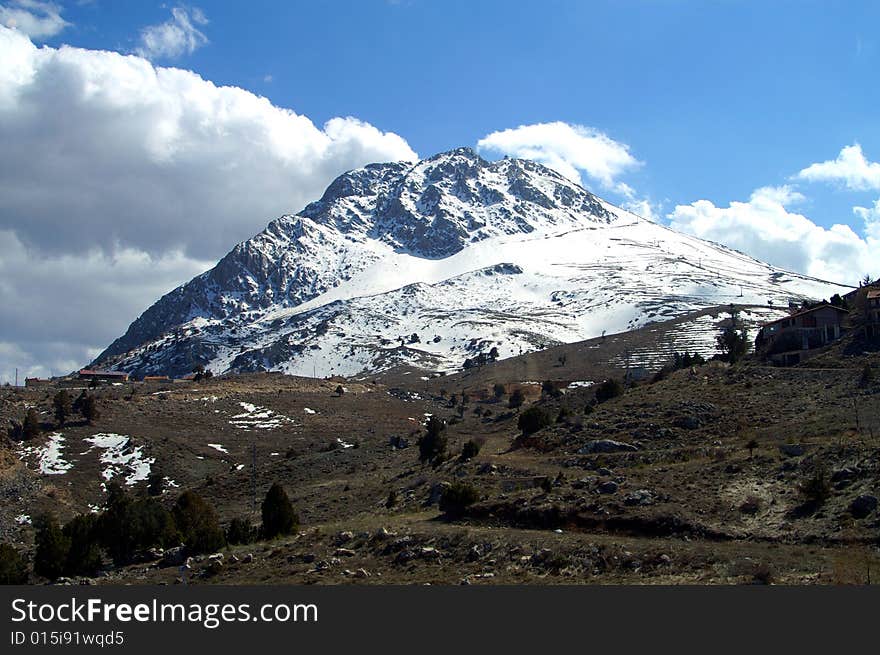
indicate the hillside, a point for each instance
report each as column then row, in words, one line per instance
column 656, row 486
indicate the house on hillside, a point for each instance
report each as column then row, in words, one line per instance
column 787, row 340
column 103, row 376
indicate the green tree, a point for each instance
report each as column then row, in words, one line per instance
column 432, row 444
column 533, row 419
column 62, row 405
column 470, row 449
column 197, row 522
column 277, row 512
column 733, row 341
column 31, row 427
column 89, row 409
column 517, row 398
column 456, row 498
column 610, row 388
column 84, row 552
column 50, row 554
column 13, row 568
column 129, row 525
column 240, row 531
column 498, row 391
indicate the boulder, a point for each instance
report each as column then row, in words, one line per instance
column 606, row 446
column 791, row 449
column 608, row 487
column 863, row 505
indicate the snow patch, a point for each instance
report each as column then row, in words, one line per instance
column 120, row 457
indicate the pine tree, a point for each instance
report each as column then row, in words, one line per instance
column 277, row 513
column 52, row 547
column 432, row 444
column 517, row 398
column 89, row 409
column 62, row 407
column 198, row 523
column 31, row 427
column 733, row 342
column 13, row 568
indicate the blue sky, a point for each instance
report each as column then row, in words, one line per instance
column 716, row 98
column 166, row 133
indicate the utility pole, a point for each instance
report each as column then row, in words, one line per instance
column 16, row 376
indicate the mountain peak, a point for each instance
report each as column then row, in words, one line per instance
column 400, row 249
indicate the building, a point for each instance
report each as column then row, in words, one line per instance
column 156, row 378
column 872, row 314
column 103, row 376
column 37, row 382
column 785, row 340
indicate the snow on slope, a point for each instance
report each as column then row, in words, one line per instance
column 433, row 263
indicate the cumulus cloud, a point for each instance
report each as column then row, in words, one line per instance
column 568, row 149
column 851, row 168
column 175, row 37
column 35, row 18
column 765, row 228
column 120, row 180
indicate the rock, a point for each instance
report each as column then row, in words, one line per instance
column 608, row 487
column 488, row 469
column 248, row 558
column 845, row 474
column 606, row 446
column 174, row 556
column 863, row 505
column 344, row 537
column 234, row 558
column 384, row 533
column 639, row 497
column 156, row 553
column 791, row 449
column 688, row 422
column 308, row 558
column 605, row 472
column 344, row 552
column 362, row 573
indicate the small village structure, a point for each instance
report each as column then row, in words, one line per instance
column 102, row 376
column 788, row 340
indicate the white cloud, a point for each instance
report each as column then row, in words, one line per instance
column 568, row 149
column 120, row 180
column 175, row 37
column 851, row 168
column 35, row 18
column 871, row 217
column 764, row 228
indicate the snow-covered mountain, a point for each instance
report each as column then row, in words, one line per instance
column 432, row 263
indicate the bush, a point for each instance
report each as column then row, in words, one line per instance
column 31, row 425
column 867, row 377
column 517, row 398
column 52, row 547
column 816, row 487
column 498, row 391
column 456, row 498
column 551, row 389
column 432, row 444
column 277, row 513
column 240, row 531
column 470, row 449
column 13, row 568
column 340, row 390
column 609, row 389
column 533, row 419
column 392, row 499
column 197, row 522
